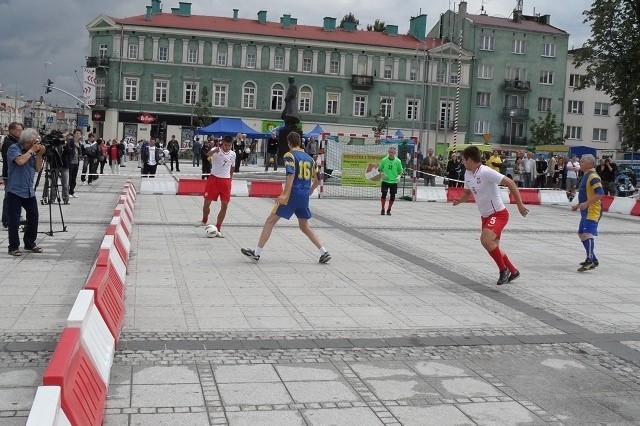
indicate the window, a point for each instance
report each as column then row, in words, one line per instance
column 333, row 103
column 453, row 76
column 306, row 64
column 544, row 104
column 220, row 95
column 133, row 51
column 359, row 106
column 482, row 127
column 549, row 50
column 546, row 77
column 386, row 107
column 387, row 72
column 574, row 132
column 102, row 52
column 101, row 91
column 485, row 71
column 575, row 80
column 441, row 73
column 278, row 63
column 277, row 97
column 190, row 93
column 446, row 111
column 514, row 73
column 518, row 47
column 251, row 60
column 483, row 99
column 160, row 91
column 575, row 107
column 599, row 135
column 334, row 67
column 413, row 109
column 192, row 56
column 413, row 74
column 487, row 43
column 222, row 58
column 601, row 108
column 163, row 54
column 304, row 103
column 249, row 96
column 131, row 89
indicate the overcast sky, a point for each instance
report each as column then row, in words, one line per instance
column 42, row 39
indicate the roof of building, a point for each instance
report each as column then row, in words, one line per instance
column 521, row 25
column 275, row 29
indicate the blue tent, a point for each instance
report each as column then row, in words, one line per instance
column 316, row 132
column 398, row 134
column 579, row 151
column 230, row 127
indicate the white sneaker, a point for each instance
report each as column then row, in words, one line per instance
column 84, row 183
column 219, row 235
column 74, row 196
column 199, row 223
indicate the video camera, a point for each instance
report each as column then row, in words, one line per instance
column 55, row 154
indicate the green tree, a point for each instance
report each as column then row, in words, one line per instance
column 611, row 59
column 378, row 26
column 547, row 131
column 349, row 17
column 202, row 109
column 382, row 123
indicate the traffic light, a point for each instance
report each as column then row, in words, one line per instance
column 49, row 85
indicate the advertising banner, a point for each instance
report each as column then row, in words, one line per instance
column 89, row 86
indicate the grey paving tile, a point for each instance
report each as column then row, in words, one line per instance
column 195, row 419
column 437, row 415
column 149, row 375
column 499, row 413
column 341, row 417
column 321, row 391
column 16, row 398
column 275, row 418
column 301, row 373
column 253, row 393
column 167, row 395
column 260, row 373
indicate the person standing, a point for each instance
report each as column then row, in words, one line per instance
column 495, row 162
column 238, row 148
column 90, row 163
column 74, row 148
column 150, row 155
column 430, row 168
column 25, row 159
column 573, row 168
column 483, row 182
column 541, row 172
column 529, row 166
column 15, row 129
column 218, row 184
column 454, row 167
column 209, row 144
column 196, row 148
column 607, row 171
column 272, row 153
column 102, row 154
column 174, row 150
column 58, row 169
column 391, row 169
column 312, row 148
column 301, row 171
column 113, row 154
column 590, row 193
column 518, row 172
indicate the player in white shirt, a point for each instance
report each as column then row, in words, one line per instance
column 223, row 161
column 482, row 182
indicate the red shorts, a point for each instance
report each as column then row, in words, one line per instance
column 496, row 222
column 218, row 187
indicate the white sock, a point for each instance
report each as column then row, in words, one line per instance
column 257, row 251
column 322, row 250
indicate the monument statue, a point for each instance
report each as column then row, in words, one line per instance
column 290, row 114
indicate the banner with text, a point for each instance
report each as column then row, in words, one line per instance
column 89, row 86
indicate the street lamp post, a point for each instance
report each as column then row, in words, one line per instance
column 635, row 119
column 511, row 114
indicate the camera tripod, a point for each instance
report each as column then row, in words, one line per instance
column 50, row 193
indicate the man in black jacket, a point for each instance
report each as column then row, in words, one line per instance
column 541, row 172
column 74, row 146
column 272, row 153
column 174, row 150
column 15, row 129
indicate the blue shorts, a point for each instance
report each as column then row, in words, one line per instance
column 296, row 204
column 588, row 226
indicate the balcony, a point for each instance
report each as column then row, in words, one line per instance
column 518, row 113
column 361, row 82
column 95, row 61
column 517, row 85
column 513, row 140
column 102, row 102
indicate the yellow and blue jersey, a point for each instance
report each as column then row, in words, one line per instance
column 304, row 170
column 591, row 185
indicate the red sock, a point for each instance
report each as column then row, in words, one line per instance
column 497, row 257
column 390, row 204
column 508, row 263
column 383, row 201
column 205, row 219
column 219, row 226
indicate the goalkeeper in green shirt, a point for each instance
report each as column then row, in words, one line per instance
column 391, row 169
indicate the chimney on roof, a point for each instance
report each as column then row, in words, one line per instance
column 156, row 7
column 184, row 9
column 545, row 19
column 175, row 10
column 285, row 21
column 462, row 9
column 235, row 14
column 262, row 16
column 392, row 30
column 148, row 15
column 329, row 23
column 418, row 27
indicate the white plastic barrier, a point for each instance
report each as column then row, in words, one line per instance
column 108, row 246
column 239, row 188
column 553, row 197
column 431, row 193
column 121, row 240
column 46, row 410
column 622, row 205
column 125, row 219
column 131, row 189
column 504, row 194
column 94, row 333
column 158, row 186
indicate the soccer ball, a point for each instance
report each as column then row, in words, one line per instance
column 211, row 231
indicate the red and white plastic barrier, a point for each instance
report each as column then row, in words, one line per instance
column 46, row 409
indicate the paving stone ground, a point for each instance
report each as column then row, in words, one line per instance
column 404, row 325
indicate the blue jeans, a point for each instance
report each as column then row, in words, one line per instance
column 15, row 205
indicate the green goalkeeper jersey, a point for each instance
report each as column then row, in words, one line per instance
column 391, row 169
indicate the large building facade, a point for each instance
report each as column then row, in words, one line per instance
column 153, row 69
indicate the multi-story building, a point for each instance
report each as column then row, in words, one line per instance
column 152, row 69
column 590, row 118
column 518, row 71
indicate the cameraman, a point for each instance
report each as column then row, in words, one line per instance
column 608, row 171
column 90, row 153
column 15, row 129
column 57, row 157
column 25, row 158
